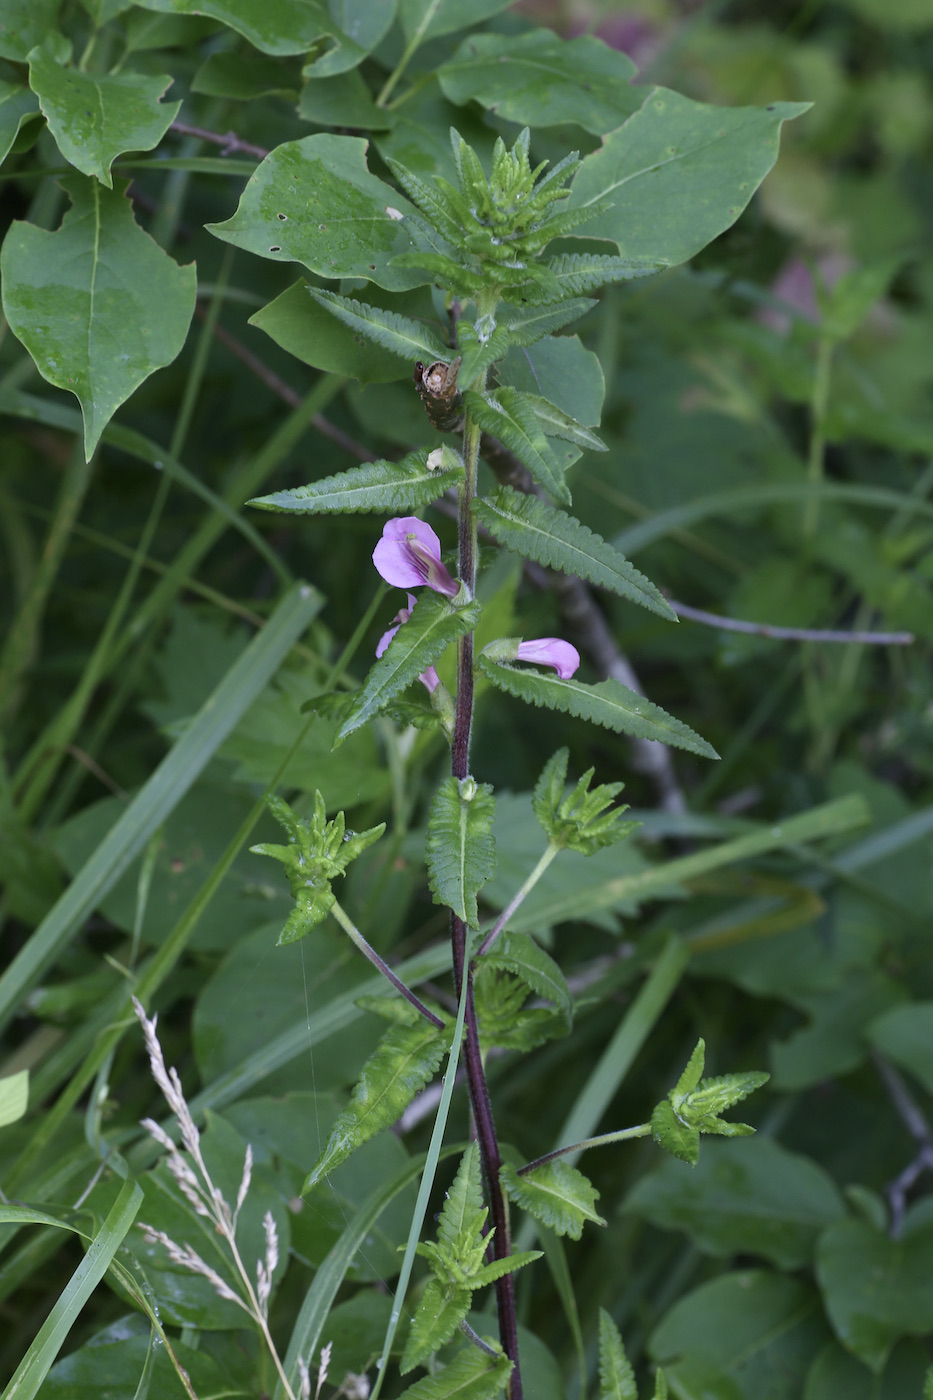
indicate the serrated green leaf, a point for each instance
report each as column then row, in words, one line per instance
column 556, row 1194
column 692, row 1072
column 314, row 201
column 375, row 486
column 434, row 624
column 519, row 955
column 14, row 1097
column 99, row 281
column 578, row 820
column 95, row 118
column 472, row 1375
column 577, row 273
column 404, row 1061
column 400, row 335
column 318, row 339
column 609, row 704
column 439, row 1314
column 507, row 416
column 526, row 325
column 616, row 1377
column 532, row 528
column 463, row 1214
column 678, row 173
column 680, row 1139
column 539, row 79
column 459, row 848
column 555, row 423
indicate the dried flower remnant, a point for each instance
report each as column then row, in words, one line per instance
column 409, row 556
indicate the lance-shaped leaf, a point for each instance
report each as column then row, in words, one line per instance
column 519, row 955
column 94, row 119
column 539, row 79
column 98, row 283
column 472, row 1375
column 693, row 1107
column 678, row 173
column 538, row 531
column 398, row 334
column 616, row 1377
column 376, row 486
column 314, row 201
column 459, row 849
column 528, row 324
column 434, row 624
column 556, row 1194
column 576, row 273
column 508, row 417
column 609, row 704
column 317, row 338
column 405, row 1059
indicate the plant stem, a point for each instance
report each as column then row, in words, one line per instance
column 819, row 401
column 517, row 899
column 347, row 924
column 623, row 1135
column 460, row 765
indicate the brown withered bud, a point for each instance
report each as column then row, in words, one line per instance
column 437, row 385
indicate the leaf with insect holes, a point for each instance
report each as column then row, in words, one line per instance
column 459, row 849
column 693, row 1107
column 532, row 528
column 472, row 1375
column 506, row 415
column 609, row 704
column 398, row 334
column 435, row 622
column 405, row 1059
column 375, row 486
column 556, row 1194
column 616, row 1377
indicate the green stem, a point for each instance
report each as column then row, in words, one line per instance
column 623, row 1135
column 517, row 899
column 411, row 48
column 347, row 924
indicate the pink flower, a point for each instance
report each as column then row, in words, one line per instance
column 409, row 555
column 551, row 651
column 428, row 678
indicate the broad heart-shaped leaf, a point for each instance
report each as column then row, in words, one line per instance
column 520, row 955
column 538, row 531
column 561, row 370
column 427, row 19
column 472, row 1375
column 609, row 704
column 363, row 24
column 95, row 119
column 507, row 416
column 556, row 1194
column 402, row 1063
column 539, row 79
column 25, row 23
column 272, row 26
column 439, row 1314
column 17, row 105
column 314, row 201
column 98, row 304
column 398, row 334
column 433, row 625
column 876, row 1289
column 678, row 173
column 459, row 848
column 616, row 1377
column 311, row 334
column 375, row 486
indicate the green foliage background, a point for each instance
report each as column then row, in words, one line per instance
column 136, row 586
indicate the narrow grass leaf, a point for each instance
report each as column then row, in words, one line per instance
column 161, row 794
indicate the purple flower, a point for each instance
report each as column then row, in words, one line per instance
column 409, row 555
column 551, row 651
column 428, row 678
